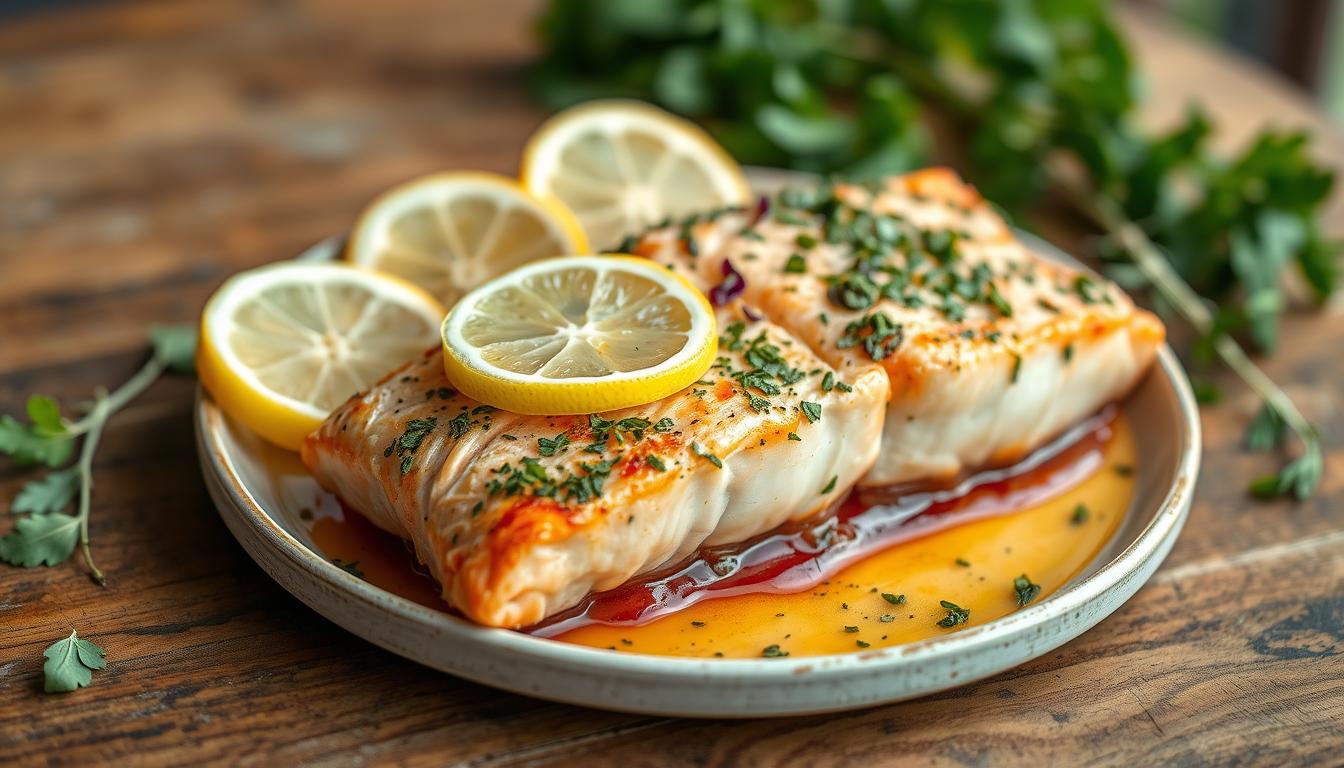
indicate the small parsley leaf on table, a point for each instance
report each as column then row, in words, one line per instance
column 45, row 413
column 70, row 664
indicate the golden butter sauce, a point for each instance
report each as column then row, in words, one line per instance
column 967, row 551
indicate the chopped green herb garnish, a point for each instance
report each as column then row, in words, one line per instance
column 811, row 410
column 878, row 334
column 655, row 462
column 701, row 452
column 459, row 425
column 830, row 486
column 1080, row 515
column 1026, row 591
column 552, row 446
column 861, row 644
column 773, row 652
column 955, row 614
column 409, row 442
column 893, row 599
column 963, row 562
column 1086, row 289
column 796, row 265
column 794, row 436
column 1001, row 304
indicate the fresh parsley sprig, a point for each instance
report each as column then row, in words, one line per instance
column 46, row 535
column 831, row 87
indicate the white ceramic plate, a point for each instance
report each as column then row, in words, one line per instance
column 261, row 491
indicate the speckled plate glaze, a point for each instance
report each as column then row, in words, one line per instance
column 260, row 491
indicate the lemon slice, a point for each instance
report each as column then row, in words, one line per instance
column 283, row 345
column 580, row 334
column 622, row 166
column 451, row 232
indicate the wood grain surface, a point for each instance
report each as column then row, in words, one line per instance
column 148, row 150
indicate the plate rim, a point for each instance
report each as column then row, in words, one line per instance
column 1165, row 523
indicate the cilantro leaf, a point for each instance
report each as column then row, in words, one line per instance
column 1299, row 478
column 1267, row 430
column 175, row 346
column 25, row 445
column 45, row 414
column 49, row 494
column 70, row 664
column 40, row 540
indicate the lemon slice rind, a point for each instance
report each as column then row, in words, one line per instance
column 280, row 337
column 537, row 392
column 621, row 194
column 481, row 224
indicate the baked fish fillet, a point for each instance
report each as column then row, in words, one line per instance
column 988, row 349
column 519, row 517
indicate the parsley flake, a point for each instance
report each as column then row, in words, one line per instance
column 811, row 410
column 1026, row 591
column 1080, row 515
column 705, row 454
column 955, row 614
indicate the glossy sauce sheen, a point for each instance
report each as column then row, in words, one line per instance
column 819, row 589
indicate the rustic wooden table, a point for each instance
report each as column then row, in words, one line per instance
column 149, row 150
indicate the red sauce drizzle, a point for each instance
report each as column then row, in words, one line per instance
column 798, row 557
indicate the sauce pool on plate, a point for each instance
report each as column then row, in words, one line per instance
column 874, row 573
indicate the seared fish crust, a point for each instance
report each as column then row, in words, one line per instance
column 989, row 350
column 519, row 517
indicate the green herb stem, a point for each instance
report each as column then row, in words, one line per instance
column 91, row 427
column 121, row 396
column 97, row 418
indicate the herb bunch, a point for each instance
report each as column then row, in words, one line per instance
column 1044, row 93
column 46, row 535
